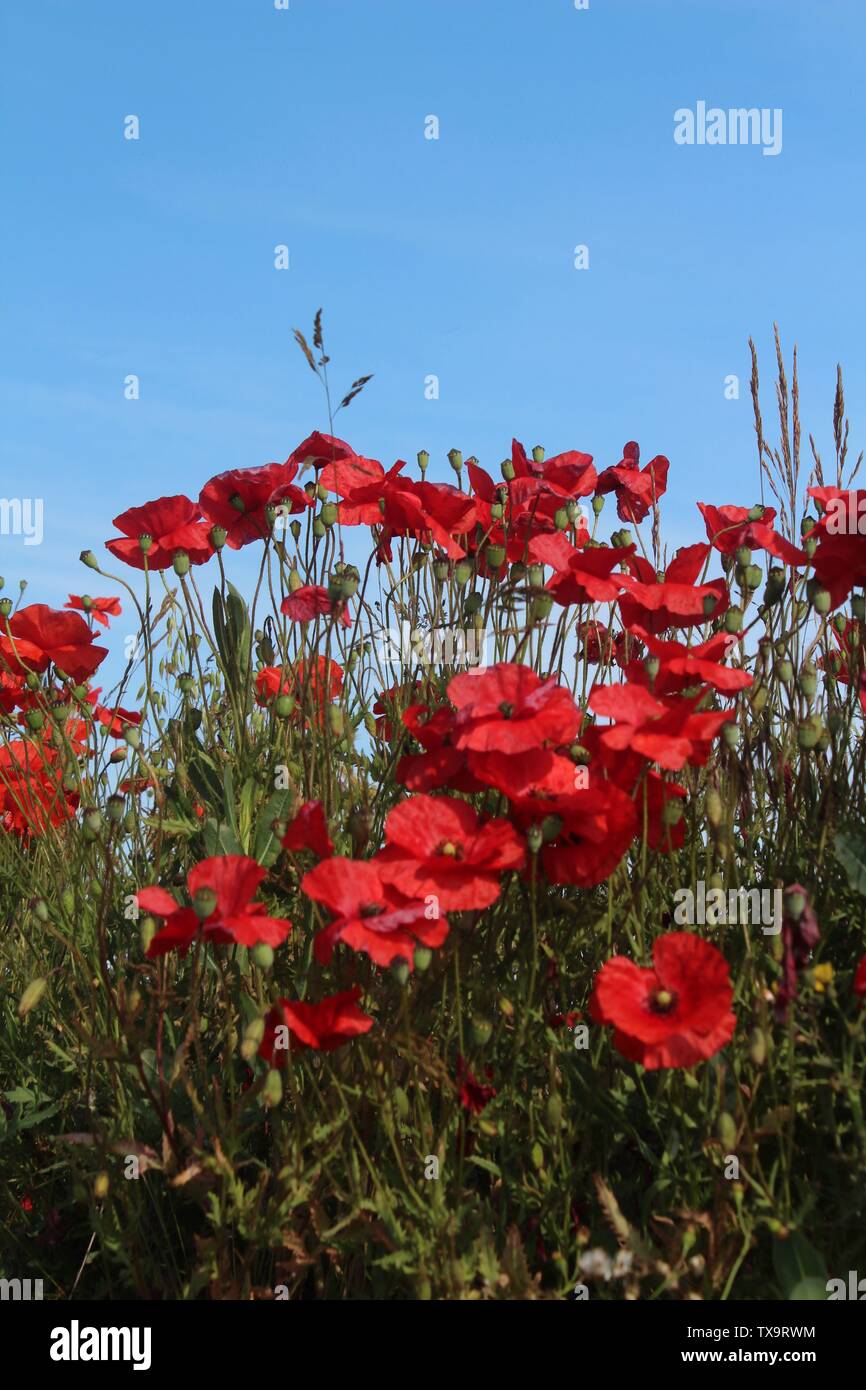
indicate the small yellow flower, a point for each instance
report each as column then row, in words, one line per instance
column 822, row 976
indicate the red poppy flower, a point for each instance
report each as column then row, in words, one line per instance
column 674, row 600
column 239, row 499
column 169, row 526
column 318, row 450
column 636, row 488
column 221, row 889
column 729, row 528
column 32, row 795
column 308, row 830
column 441, row 764
column 39, row 635
column 370, row 915
column 674, row 1015
column 321, row 1027
column 668, row 732
column 681, row 666
column 474, row 1096
column 510, row 708
column 589, row 577
column 99, row 609
column 117, row 720
column 319, row 682
column 312, row 601
column 437, row 846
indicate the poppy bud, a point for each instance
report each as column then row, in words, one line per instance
column 808, row 682
column 713, row 807
column 560, row 519
column 710, row 604
column 31, row 996
column 423, row 460
column 349, row 581
column 272, row 1093
column 758, row 1047
column 335, row 721
column 186, row 683
column 263, row 955
column 284, row 706
column 734, row 619
column 810, row 545
column 672, row 812
column 295, row 581
column 204, row 903
column 319, row 528
column 506, row 468
column 132, row 735
column 534, row 838
column 731, row 735
column 597, row 505
column 130, row 822
column 423, row 958
column 295, row 528
column 858, row 607
column 455, row 458
column 115, row 808
column 553, row 1113
column 400, row 971
column 88, row 558
column 774, row 587
column 93, row 819
column 807, row 524
column 726, row 1128
column 795, row 903
column 785, row 671
column 536, row 1155
column 370, row 723
column 146, row 932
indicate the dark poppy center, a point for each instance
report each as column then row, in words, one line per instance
column 237, row 502
column 663, row 1001
column 450, row 850
column 372, row 910
column 506, row 710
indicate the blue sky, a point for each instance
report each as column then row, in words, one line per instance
column 452, row 257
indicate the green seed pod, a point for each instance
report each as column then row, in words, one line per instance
column 328, row 514
column 455, row 458
column 39, row 908
column 731, row 735
column 400, row 971
column 553, row 1113
column 263, row 955
column 495, row 556
column 785, row 671
column 180, row 562
column 534, row 838
column 335, row 721
column 808, row 681
column 463, row 572
column 218, row 537
column 400, row 1102
column 284, row 706
column 67, row 901
column 714, row 808
column 743, row 556
column 858, row 607
column 204, row 903
column 734, row 619
column 441, row 569
column 752, row 577
column 480, row 1030
column 540, row 607
column 822, row 601
column 537, row 1156
column 319, row 528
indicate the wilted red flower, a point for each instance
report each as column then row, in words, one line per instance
column 511, row 709
column 168, row 526
column 474, row 1096
column 369, row 913
column 308, row 830
column 221, row 889
column 860, row 977
column 800, row 935
column 674, row 1015
column 239, row 500
column 636, row 488
column 39, row 635
column 437, row 847
column 321, row 1027
column 313, row 601
column 99, row 609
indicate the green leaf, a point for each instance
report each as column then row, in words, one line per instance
column 795, row 1260
column 219, row 839
column 811, row 1290
column 851, row 854
column 277, row 808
